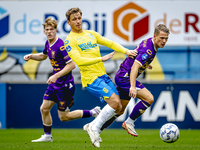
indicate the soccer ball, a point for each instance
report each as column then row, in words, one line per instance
column 169, row 133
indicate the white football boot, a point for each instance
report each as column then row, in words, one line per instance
column 94, row 137
column 44, row 138
column 85, row 128
column 130, row 128
column 96, row 111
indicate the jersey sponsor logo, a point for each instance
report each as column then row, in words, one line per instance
column 68, row 48
column 54, row 63
column 128, row 21
column 87, row 46
column 144, row 56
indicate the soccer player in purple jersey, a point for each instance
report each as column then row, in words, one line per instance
column 130, row 69
column 61, row 83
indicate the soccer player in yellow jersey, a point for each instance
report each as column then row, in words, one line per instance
column 82, row 47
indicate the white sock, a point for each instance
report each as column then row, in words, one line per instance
column 81, row 113
column 129, row 120
column 106, row 113
column 48, row 135
column 92, row 123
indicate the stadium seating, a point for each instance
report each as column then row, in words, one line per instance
column 175, row 62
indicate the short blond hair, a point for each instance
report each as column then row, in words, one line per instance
column 161, row 27
column 50, row 22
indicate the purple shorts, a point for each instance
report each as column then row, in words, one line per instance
column 64, row 97
column 123, row 86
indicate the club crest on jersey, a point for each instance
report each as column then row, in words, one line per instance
column 53, row 54
column 68, row 48
column 91, row 36
column 144, row 56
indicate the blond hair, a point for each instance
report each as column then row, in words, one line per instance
column 161, row 27
column 72, row 11
column 50, row 22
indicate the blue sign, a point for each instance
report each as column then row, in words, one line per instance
column 4, row 23
column 2, row 105
column 174, row 103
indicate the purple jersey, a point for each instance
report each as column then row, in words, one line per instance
column 59, row 58
column 146, row 54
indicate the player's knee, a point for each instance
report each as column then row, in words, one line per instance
column 44, row 110
column 122, row 111
column 117, row 107
column 115, row 103
column 150, row 99
column 64, row 118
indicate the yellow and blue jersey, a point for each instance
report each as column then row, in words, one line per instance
column 84, row 51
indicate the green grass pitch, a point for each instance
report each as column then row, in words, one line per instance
column 113, row 139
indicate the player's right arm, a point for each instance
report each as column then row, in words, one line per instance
column 69, row 67
column 38, row 57
column 133, row 75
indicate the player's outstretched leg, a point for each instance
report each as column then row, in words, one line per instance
column 95, row 111
column 44, row 138
column 137, row 111
column 129, row 127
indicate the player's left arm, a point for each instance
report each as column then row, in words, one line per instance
column 69, row 67
column 113, row 45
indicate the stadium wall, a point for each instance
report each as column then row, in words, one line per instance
column 2, row 105
column 177, row 103
column 171, row 63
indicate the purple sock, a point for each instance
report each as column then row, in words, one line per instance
column 47, row 129
column 139, row 109
column 86, row 114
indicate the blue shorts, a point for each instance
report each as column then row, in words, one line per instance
column 63, row 97
column 102, row 87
